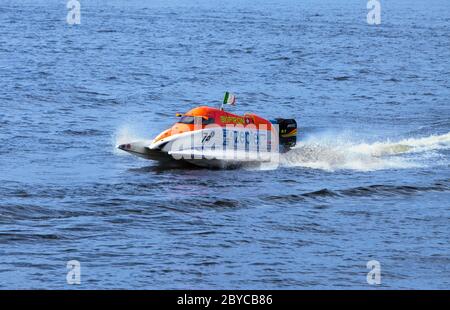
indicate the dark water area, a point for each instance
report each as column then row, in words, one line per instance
column 368, row 180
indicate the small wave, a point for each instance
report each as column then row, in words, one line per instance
column 87, row 132
column 341, row 78
column 226, row 203
column 284, row 198
column 336, row 153
column 360, row 191
column 280, row 58
column 391, row 190
column 106, row 31
column 14, row 237
column 321, row 193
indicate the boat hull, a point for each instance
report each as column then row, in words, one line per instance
column 211, row 148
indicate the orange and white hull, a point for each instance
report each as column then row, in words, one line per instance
column 227, row 141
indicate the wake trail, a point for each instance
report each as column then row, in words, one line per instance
column 331, row 152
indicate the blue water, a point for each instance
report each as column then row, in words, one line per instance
column 369, row 179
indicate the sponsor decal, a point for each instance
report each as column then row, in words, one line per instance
column 232, row 120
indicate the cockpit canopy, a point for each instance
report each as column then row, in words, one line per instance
column 204, row 120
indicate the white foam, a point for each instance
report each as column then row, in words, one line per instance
column 430, row 143
column 336, row 152
column 127, row 134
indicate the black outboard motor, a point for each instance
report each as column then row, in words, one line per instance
column 287, row 130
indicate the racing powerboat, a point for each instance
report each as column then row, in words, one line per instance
column 212, row 137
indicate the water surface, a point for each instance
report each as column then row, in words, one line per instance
column 369, row 178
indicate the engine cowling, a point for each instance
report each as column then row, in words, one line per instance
column 287, row 131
